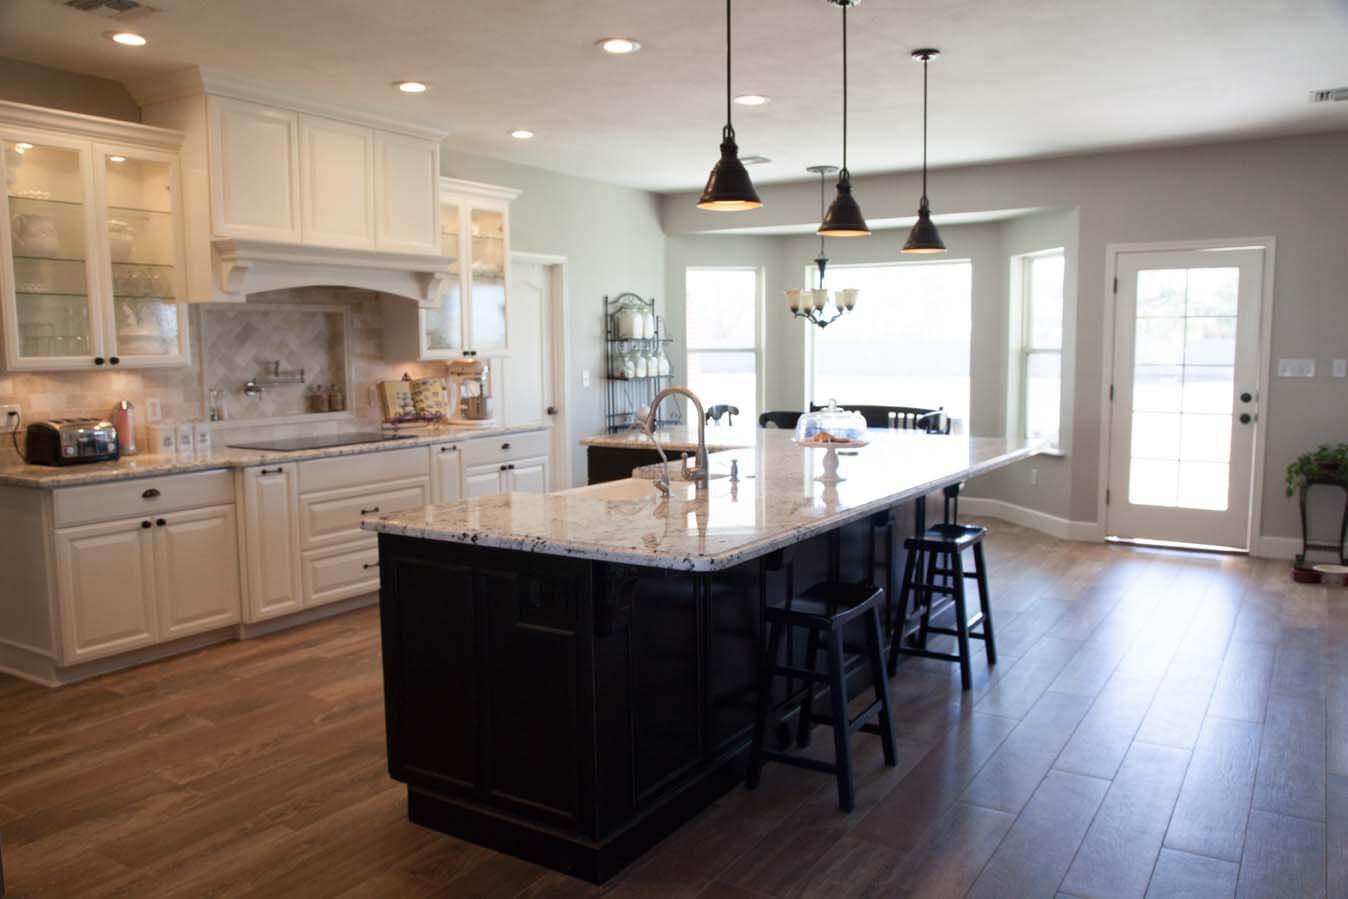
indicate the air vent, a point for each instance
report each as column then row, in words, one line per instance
column 110, row 9
column 754, row 160
column 1330, row 95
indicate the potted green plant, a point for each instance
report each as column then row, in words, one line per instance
column 1324, row 463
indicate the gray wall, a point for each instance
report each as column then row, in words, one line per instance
column 613, row 242
column 1290, row 188
column 23, row 82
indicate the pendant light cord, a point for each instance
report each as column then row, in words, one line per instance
column 822, row 178
column 844, row 160
column 729, row 128
column 925, row 61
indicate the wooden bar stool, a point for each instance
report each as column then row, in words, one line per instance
column 944, row 542
column 824, row 610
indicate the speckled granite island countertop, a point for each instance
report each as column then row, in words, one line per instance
column 14, row 473
column 776, row 502
column 681, row 439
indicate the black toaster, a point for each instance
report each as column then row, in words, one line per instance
column 70, row 441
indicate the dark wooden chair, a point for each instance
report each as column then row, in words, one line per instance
column 908, row 418
column 721, row 410
column 823, row 611
column 784, row 420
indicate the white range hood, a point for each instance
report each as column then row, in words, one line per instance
column 252, row 266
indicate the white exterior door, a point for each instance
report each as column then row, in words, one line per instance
column 197, row 571
column 1185, row 401
column 105, row 581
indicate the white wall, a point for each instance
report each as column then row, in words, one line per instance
column 1291, row 188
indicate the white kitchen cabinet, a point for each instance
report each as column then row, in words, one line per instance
column 254, row 171
column 92, row 243
column 446, row 473
column 196, row 571
column 105, row 588
column 490, row 479
column 473, row 310
column 529, row 476
column 406, row 175
column 337, row 183
column 272, row 544
column 484, row 480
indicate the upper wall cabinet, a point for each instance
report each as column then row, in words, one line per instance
column 294, row 194
column 92, row 257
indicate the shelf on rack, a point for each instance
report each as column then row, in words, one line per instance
column 49, row 259
column 144, row 264
column 47, row 200
column 137, row 211
column 50, row 293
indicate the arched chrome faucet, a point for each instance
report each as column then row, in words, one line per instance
column 699, row 473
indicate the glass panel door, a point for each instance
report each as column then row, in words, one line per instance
column 47, row 216
column 142, row 240
column 443, row 326
column 487, row 280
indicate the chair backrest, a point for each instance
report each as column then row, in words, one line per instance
column 714, row 413
column 908, row 418
column 783, row 420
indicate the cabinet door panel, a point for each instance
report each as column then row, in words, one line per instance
column 483, row 480
column 254, row 164
column 529, row 476
column 446, row 473
column 407, row 176
column 337, row 183
column 105, row 584
column 271, row 529
column 197, row 566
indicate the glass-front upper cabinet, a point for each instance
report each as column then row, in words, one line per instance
column 140, row 228
column 91, row 269
column 487, row 282
column 442, row 327
column 51, row 281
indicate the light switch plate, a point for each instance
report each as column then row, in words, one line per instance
column 1296, row 368
column 153, row 410
column 585, row 378
column 1341, row 368
column 6, row 422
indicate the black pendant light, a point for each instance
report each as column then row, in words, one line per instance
column 728, row 186
column 924, row 238
column 844, row 218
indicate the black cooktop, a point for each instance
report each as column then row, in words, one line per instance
column 300, row 444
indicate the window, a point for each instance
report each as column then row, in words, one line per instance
column 1037, row 365
column 722, row 326
column 905, row 344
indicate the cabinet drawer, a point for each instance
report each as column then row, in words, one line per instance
column 363, row 470
column 485, row 450
column 142, row 496
column 333, row 574
column 334, row 517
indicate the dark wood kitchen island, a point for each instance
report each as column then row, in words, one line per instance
column 569, row 677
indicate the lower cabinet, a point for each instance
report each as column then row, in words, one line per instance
column 139, row 581
column 446, row 473
column 524, row 476
column 272, row 544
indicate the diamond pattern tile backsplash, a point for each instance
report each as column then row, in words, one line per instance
column 228, row 343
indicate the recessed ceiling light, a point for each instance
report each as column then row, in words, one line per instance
column 752, row 99
column 412, row 87
column 619, row 46
column 522, row 134
column 23, row 147
column 116, row 159
column 129, row 38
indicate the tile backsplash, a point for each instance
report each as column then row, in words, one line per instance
column 297, row 339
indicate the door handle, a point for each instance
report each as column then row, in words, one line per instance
column 1245, row 418
column 159, row 522
column 145, row 524
column 1245, row 397
column 551, row 410
column 370, row 511
column 368, row 565
column 271, row 471
column 152, row 493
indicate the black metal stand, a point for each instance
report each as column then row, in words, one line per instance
column 625, row 396
column 1306, row 543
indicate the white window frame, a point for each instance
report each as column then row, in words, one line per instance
column 757, row 349
column 811, row 278
column 1021, row 348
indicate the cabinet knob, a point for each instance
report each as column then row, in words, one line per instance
column 448, row 449
column 369, row 511
column 152, row 493
column 505, row 446
column 1245, row 418
column 368, row 565
column 145, row 523
column 503, row 467
column 511, row 466
column 98, row 360
column 160, row 522
column 1245, row 397
column 113, row 360
column 277, row 470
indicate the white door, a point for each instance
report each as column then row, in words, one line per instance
column 272, row 537
column 105, row 585
column 1185, row 396
column 197, row 571
column 484, row 480
column 529, row 476
column 525, row 375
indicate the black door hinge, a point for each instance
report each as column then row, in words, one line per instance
column 1111, row 393
column 1116, row 285
column 1106, row 496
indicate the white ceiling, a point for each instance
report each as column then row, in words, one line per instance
column 1018, row 78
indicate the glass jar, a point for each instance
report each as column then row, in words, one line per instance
column 629, row 365
column 831, row 426
column 639, row 362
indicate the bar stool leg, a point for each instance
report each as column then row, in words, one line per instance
column 962, row 621
column 837, row 692
column 807, row 701
column 927, row 592
column 764, row 704
column 886, row 722
column 896, row 634
column 984, row 603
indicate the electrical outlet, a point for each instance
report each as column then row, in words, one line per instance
column 153, row 410
column 10, row 417
column 1296, row 368
column 1341, row 368
column 1034, row 477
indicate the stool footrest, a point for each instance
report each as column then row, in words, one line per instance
column 802, row 673
column 800, row 761
column 928, row 654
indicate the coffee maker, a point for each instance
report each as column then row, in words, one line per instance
column 470, row 390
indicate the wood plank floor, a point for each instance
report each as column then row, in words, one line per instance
column 1160, row 724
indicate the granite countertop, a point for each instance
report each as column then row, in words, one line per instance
column 14, row 473
column 681, row 439
column 776, row 502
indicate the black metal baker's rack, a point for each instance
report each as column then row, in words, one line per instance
column 625, row 396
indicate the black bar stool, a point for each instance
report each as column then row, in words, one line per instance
column 944, row 542
column 825, row 609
